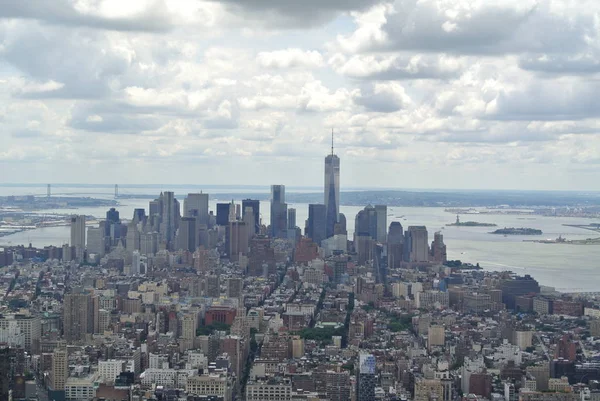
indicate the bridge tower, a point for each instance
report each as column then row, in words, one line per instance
column 116, row 191
column 49, row 191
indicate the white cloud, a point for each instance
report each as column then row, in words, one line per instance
column 477, row 89
column 290, row 58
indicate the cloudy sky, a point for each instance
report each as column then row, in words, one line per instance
column 420, row 93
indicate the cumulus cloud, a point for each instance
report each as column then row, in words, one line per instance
column 290, row 58
column 285, row 14
column 453, row 88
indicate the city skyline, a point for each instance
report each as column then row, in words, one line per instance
column 143, row 91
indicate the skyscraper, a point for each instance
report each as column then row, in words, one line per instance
column 238, row 240
column 316, row 225
column 186, row 235
column 78, row 316
column 255, row 205
column 416, row 246
column 170, row 217
column 381, row 216
column 366, row 377
column 60, row 368
column 291, row 218
column 438, row 248
column 196, row 205
column 113, row 225
column 332, row 190
column 223, row 214
column 278, row 211
column 78, row 236
column 395, row 245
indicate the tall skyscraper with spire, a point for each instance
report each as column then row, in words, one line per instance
column 332, row 190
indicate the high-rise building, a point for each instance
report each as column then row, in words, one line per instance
column 428, row 389
column 196, row 205
column 337, row 385
column 213, row 286
column 395, row 245
column 316, row 225
column 291, row 218
column 436, row 336
column 438, row 248
column 60, row 368
column 332, row 190
column 365, row 223
column 514, row 287
column 233, row 211
column 78, row 316
column 235, row 286
column 170, row 217
column 366, row 378
column 136, row 262
column 238, row 239
column 78, row 236
column 186, row 235
column 416, row 244
column 223, row 214
column 132, row 241
column 255, row 206
column 278, row 211
column 5, row 372
column 248, row 218
column 95, row 240
column 381, row 216
column 112, row 226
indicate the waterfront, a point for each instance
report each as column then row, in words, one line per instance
column 566, row 267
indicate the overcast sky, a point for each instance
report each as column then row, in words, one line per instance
column 420, row 93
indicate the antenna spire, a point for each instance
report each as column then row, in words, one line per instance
column 332, row 142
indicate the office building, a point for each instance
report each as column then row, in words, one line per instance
column 235, row 286
column 112, row 226
column 272, row 390
column 211, row 386
column 291, row 218
column 170, row 217
column 337, row 385
column 78, row 236
column 223, row 214
column 60, row 368
column 5, row 372
column 428, row 389
column 366, row 377
column 365, row 223
column 514, row 287
column 196, row 205
column 238, row 240
column 27, row 328
column 186, row 235
column 78, row 316
column 255, row 206
column 416, row 244
column 381, row 216
column 438, row 249
column 395, row 245
column 436, row 336
column 332, row 191
column 278, row 211
column 213, row 286
column 316, row 228
column 95, row 240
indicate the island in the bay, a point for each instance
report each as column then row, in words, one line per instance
column 517, row 231
column 459, row 223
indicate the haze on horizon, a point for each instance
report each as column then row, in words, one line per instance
column 443, row 94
